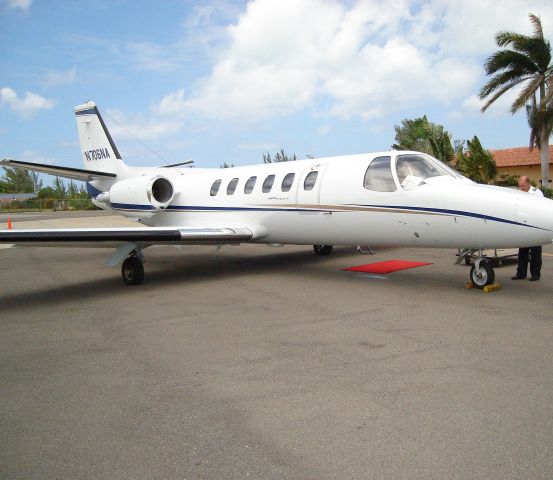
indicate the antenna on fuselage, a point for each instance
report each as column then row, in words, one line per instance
column 186, row 162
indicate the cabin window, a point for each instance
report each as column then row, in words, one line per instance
column 378, row 176
column 287, row 182
column 310, row 180
column 215, row 187
column 268, row 184
column 248, row 188
column 232, row 186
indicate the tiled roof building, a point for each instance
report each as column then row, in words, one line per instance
column 521, row 161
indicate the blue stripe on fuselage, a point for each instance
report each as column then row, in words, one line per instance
column 202, row 208
column 446, row 211
column 130, row 206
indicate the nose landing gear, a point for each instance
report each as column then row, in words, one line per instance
column 482, row 273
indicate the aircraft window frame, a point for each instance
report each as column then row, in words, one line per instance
column 231, row 187
column 446, row 167
column 268, row 183
column 429, row 162
column 385, row 184
column 250, row 184
column 309, row 184
column 287, row 182
column 215, row 186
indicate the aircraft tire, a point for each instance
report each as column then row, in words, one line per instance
column 483, row 275
column 132, row 270
column 322, row 249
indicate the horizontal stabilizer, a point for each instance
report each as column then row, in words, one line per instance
column 66, row 172
column 107, row 237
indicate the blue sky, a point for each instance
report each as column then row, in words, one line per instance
column 224, row 81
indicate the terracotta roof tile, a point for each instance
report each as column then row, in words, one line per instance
column 518, row 157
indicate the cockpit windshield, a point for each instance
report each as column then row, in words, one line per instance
column 413, row 170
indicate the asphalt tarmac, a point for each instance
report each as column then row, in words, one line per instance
column 270, row 363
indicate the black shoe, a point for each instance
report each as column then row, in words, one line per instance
column 534, row 279
column 516, row 277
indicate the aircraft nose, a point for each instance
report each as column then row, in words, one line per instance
column 535, row 211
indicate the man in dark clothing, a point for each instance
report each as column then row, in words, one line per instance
column 533, row 252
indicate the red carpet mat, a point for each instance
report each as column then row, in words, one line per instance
column 389, row 266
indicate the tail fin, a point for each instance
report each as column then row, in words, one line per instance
column 97, row 147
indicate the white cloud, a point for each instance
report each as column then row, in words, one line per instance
column 171, row 104
column 468, row 28
column 143, row 128
column 349, row 59
column 23, row 5
column 25, row 107
column 472, row 105
column 53, row 79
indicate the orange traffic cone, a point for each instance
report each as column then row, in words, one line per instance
column 9, row 223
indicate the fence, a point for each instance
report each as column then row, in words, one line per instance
column 46, row 204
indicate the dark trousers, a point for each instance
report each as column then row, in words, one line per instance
column 535, row 262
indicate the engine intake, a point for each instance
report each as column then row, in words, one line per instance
column 162, row 191
column 143, row 196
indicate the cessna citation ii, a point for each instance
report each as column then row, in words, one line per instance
column 395, row 198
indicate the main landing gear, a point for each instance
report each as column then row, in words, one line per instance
column 132, row 269
column 322, row 249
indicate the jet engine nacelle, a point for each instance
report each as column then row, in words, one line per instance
column 141, row 197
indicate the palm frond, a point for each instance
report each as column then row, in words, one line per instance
column 535, row 48
column 532, row 123
column 501, row 79
column 536, row 23
column 506, row 38
column 504, row 59
column 539, row 50
column 499, row 93
column 527, row 93
column 549, row 95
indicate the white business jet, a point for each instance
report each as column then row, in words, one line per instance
column 395, row 198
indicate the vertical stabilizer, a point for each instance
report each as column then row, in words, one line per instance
column 97, row 147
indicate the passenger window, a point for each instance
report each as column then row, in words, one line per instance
column 232, row 186
column 287, row 182
column 268, row 184
column 248, row 188
column 378, row 176
column 310, row 180
column 215, row 187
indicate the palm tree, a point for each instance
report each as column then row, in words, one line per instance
column 476, row 162
column 526, row 63
column 421, row 135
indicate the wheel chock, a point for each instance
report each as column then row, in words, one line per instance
column 492, row 287
column 469, row 284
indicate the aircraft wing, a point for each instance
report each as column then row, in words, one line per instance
column 66, row 172
column 109, row 237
